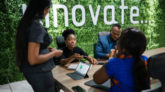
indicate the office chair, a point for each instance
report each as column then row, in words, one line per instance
column 156, row 68
column 60, row 44
column 94, row 45
column 99, row 34
column 103, row 33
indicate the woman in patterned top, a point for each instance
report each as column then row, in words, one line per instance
column 127, row 70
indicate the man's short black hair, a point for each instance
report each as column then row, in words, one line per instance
column 67, row 32
column 116, row 25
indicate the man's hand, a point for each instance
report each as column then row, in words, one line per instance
column 112, row 53
column 93, row 61
column 115, row 52
column 107, row 55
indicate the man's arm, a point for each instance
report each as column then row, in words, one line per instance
column 99, row 50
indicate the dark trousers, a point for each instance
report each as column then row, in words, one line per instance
column 41, row 82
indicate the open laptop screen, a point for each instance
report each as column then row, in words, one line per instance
column 82, row 68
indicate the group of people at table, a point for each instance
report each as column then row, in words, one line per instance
column 126, row 66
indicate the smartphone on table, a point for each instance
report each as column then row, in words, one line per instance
column 100, row 63
column 78, row 89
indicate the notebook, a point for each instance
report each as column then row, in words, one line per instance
column 105, row 86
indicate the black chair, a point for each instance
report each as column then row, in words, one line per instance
column 103, row 33
column 94, row 45
column 99, row 34
column 156, row 68
column 60, row 44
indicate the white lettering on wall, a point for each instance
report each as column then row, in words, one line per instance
column 113, row 15
column 134, row 14
column 122, row 7
column 24, row 8
column 55, row 6
column 94, row 18
column 74, row 15
column 47, row 20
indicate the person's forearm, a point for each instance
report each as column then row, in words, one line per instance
column 41, row 58
column 101, row 55
column 67, row 60
column 89, row 58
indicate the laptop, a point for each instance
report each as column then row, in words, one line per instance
column 80, row 72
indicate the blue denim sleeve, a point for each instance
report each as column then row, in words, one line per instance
column 99, row 50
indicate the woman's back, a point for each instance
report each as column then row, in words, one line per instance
column 128, row 67
column 120, row 71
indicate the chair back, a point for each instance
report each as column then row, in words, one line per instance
column 95, row 44
column 103, row 33
column 60, row 42
column 94, row 47
column 156, row 68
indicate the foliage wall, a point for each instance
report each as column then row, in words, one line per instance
column 86, row 35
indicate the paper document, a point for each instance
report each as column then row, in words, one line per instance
column 73, row 66
column 91, row 66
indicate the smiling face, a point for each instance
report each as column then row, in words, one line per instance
column 70, row 41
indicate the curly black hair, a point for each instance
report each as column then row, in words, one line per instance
column 67, row 32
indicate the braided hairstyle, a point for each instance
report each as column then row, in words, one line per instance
column 133, row 42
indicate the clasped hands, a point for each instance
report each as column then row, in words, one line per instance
column 113, row 53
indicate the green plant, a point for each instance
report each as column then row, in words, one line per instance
column 86, row 35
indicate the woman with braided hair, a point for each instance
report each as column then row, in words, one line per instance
column 127, row 70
